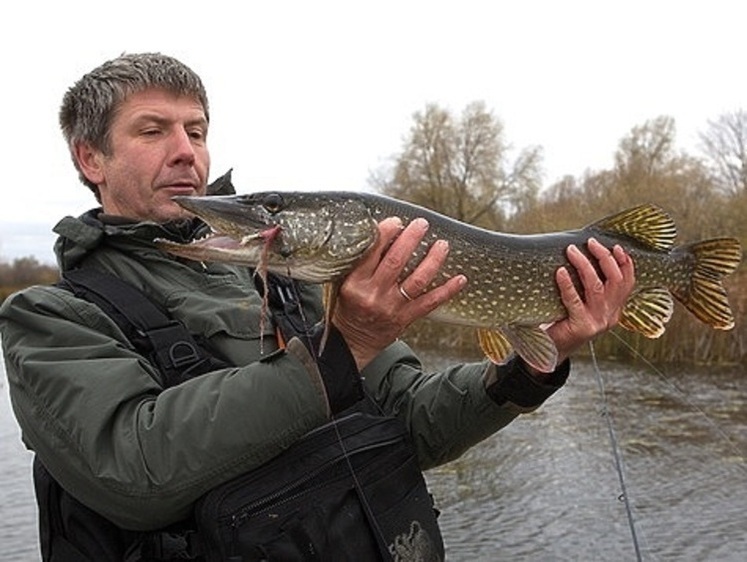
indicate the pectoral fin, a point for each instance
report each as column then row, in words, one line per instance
column 329, row 298
column 494, row 345
column 534, row 346
column 531, row 343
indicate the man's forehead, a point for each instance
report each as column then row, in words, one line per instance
column 157, row 102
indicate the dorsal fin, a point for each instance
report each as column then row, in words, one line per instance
column 646, row 223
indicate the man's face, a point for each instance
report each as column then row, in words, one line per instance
column 158, row 150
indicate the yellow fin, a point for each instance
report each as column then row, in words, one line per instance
column 531, row 343
column 647, row 311
column 706, row 296
column 493, row 344
column 647, row 223
column 329, row 299
column 534, row 346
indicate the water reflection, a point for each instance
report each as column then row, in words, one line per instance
column 18, row 534
column 546, row 487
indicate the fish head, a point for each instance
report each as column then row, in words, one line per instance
column 311, row 236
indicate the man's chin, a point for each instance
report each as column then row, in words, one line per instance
column 173, row 213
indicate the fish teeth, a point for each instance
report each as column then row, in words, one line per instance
column 249, row 238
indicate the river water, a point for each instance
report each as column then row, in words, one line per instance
column 547, row 487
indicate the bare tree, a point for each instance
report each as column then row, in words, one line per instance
column 647, row 149
column 724, row 143
column 460, row 167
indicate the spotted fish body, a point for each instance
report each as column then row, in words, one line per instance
column 511, row 292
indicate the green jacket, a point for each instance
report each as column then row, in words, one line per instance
column 93, row 410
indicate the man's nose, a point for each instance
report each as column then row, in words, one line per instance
column 183, row 148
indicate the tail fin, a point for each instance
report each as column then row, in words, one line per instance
column 705, row 296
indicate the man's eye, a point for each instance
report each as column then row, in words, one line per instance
column 197, row 134
column 151, row 132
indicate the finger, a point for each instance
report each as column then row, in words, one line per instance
column 426, row 271
column 618, row 270
column 626, row 263
column 607, row 262
column 430, row 301
column 571, row 332
column 592, row 284
column 400, row 252
column 568, row 293
column 389, row 229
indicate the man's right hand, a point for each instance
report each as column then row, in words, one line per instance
column 372, row 310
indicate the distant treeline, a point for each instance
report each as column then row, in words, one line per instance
column 23, row 272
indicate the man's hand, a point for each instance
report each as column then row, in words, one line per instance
column 373, row 308
column 603, row 300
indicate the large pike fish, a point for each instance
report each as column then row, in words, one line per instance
column 511, row 292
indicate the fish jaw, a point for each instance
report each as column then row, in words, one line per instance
column 215, row 247
column 225, row 215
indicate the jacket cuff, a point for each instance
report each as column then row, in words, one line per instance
column 512, row 382
column 339, row 371
column 334, row 365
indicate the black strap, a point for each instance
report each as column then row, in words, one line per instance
column 178, row 357
column 149, row 328
column 287, row 309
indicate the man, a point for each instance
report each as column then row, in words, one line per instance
column 134, row 455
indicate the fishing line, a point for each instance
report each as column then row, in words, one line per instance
column 380, row 539
column 712, row 424
column 616, row 453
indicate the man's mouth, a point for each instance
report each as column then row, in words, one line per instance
column 180, row 188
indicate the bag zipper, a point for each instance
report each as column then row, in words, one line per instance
column 245, row 512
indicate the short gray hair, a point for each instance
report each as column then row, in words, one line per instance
column 89, row 106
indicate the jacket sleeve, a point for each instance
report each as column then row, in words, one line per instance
column 451, row 410
column 90, row 407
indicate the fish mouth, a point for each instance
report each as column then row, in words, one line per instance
column 235, row 234
column 216, row 246
column 218, row 241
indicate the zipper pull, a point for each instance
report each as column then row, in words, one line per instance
column 234, row 552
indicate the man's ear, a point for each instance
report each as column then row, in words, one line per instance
column 90, row 161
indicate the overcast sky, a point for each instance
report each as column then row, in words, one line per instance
column 318, row 94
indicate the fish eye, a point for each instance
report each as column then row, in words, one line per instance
column 273, row 202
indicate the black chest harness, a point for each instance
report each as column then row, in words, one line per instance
column 349, row 490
